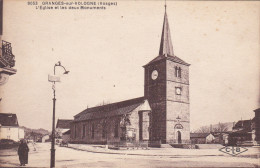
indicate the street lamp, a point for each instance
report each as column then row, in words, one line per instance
column 54, row 79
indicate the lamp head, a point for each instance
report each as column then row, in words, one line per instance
column 58, row 64
column 66, row 72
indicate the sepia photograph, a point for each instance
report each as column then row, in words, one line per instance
column 136, row 83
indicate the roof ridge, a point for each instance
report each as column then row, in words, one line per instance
column 92, row 109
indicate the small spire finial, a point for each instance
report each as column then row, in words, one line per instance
column 165, row 6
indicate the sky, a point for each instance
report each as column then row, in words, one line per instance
column 104, row 50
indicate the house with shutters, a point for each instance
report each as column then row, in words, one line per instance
column 9, row 127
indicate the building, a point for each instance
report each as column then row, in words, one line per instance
column 242, row 133
column 246, row 132
column 6, row 56
column 167, row 90
column 62, row 126
column 256, row 128
column 221, row 137
column 9, row 127
column 162, row 115
column 127, row 121
column 62, row 129
column 66, row 136
column 45, row 138
column 201, row 138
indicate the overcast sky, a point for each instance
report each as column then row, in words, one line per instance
column 104, row 50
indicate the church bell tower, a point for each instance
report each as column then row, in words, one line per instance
column 167, row 90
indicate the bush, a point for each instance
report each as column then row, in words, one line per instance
column 7, row 141
column 8, row 144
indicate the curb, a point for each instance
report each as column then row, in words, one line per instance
column 177, row 156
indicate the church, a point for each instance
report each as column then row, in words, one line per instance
column 162, row 114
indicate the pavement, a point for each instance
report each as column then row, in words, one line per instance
column 252, row 152
column 98, row 156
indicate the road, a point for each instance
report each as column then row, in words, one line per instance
column 67, row 157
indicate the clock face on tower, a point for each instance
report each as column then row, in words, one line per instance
column 154, row 75
column 178, row 91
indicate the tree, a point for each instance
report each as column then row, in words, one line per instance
column 102, row 103
column 221, row 127
column 204, row 129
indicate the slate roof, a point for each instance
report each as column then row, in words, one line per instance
column 8, row 119
column 244, row 124
column 169, row 57
column 240, row 132
column 64, row 124
column 199, row 135
column 109, row 110
column 177, row 60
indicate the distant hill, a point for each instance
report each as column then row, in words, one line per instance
column 226, row 126
column 36, row 132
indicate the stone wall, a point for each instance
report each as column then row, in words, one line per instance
column 94, row 131
column 111, row 129
column 178, row 108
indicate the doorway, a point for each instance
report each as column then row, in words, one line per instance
column 179, row 137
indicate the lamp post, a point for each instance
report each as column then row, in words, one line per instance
column 54, row 79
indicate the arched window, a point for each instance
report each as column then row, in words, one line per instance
column 116, row 128
column 179, row 72
column 83, row 131
column 92, row 131
column 176, row 71
column 75, row 129
column 104, row 131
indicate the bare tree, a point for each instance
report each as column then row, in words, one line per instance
column 204, row 129
column 102, row 103
column 221, row 127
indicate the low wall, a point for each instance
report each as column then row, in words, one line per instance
column 87, row 147
column 126, row 144
column 184, row 146
column 208, row 146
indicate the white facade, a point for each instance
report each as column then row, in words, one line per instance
column 45, row 137
column 9, row 132
column 210, row 138
column 60, row 131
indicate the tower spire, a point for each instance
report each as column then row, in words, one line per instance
column 166, row 42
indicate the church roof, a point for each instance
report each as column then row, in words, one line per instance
column 169, row 57
column 8, row 119
column 109, row 110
